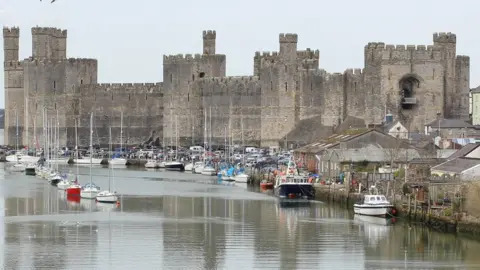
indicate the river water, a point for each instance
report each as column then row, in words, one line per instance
column 169, row 220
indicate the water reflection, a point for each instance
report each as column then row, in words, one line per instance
column 206, row 226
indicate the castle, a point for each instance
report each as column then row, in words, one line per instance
column 413, row 83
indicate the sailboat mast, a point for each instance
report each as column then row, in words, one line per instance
column 57, row 139
column 211, row 133
column 76, row 144
column 110, row 170
column 204, row 133
column 176, row 137
column 243, row 142
column 16, row 119
column 26, row 125
column 121, row 134
column 91, row 145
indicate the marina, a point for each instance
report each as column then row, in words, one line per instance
column 164, row 215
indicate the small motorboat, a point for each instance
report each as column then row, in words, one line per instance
column 117, row 161
column 18, row 167
column 265, row 184
column 198, row 167
column 55, row 179
column 107, row 196
column 89, row 191
column 174, row 166
column 74, row 190
column 87, row 161
column 240, row 178
column 209, row 170
column 189, row 167
column 291, row 187
column 63, row 184
column 30, row 169
column 152, row 164
column 374, row 205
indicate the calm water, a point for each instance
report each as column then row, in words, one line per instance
column 169, row 220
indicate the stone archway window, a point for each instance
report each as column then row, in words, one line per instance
column 408, row 88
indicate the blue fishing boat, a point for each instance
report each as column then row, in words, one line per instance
column 293, row 187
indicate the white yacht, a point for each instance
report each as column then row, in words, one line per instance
column 374, row 205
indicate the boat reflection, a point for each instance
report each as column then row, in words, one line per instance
column 289, row 217
column 373, row 229
column 106, row 207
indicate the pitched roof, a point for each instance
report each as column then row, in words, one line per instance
column 307, row 130
column 457, row 165
column 462, row 152
column 375, row 153
column 451, row 123
column 427, row 161
column 475, row 90
column 333, row 140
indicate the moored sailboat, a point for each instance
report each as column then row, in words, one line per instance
column 90, row 190
column 107, row 196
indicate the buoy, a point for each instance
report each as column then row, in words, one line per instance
column 394, row 211
column 118, row 203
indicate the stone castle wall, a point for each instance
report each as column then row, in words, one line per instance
column 287, row 86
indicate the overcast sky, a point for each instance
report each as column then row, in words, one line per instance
column 130, row 37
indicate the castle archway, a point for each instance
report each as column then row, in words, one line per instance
column 409, row 86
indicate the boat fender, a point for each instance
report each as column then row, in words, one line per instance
column 394, row 211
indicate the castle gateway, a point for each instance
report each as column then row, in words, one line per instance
column 413, row 83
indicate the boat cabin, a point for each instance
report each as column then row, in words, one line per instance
column 375, row 199
column 291, row 180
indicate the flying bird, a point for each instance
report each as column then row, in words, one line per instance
column 50, row 2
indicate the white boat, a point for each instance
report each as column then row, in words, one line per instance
column 189, row 167
column 64, row 184
column 374, row 205
column 90, row 190
column 55, row 178
column 161, row 164
column 22, row 157
column 209, row 170
column 58, row 161
column 198, row 167
column 108, row 196
column 240, row 178
column 151, row 163
column 292, row 187
column 31, row 169
column 118, row 161
column 18, row 167
column 87, row 161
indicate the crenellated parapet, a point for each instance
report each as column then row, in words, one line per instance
column 69, row 62
column 463, row 61
column 49, row 31
column 380, row 51
column 209, row 34
column 288, row 38
column 308, row 54
column 190, row 58
column 13, row 32
column 13, row 65
column 353, row 71
column 443, row 37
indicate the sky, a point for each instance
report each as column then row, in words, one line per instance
column 130, row 37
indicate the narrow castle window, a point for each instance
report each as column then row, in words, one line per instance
column 285, row 68
column 355, row 86
column 311, row 86
column 193, row 77
column 188, row 96
column 201, row 75
column 128, row 96
column 81, row 81
column 55, row 105
column 112, row 96
column 146, row 96
column 286, row 86
column 171, row 77
column 54, row 84
column 271, row 85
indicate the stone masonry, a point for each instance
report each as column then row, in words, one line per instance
column 198, row 102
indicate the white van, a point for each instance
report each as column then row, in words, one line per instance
column 251, row 150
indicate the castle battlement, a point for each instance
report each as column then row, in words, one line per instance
column 179, row 58
column 11, row 32
column 288, row 38
column 230, row 79
column 209, row 34
column 353, row 71
column 308, row 54
column 128, row 85
column 13, row 64
column 443, row 37
column 405, row 52
column 51, row 31
column 269, row 55
column 69, row 61
column 463, row 61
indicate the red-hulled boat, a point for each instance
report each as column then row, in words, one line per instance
column 74, row 189
column 266, row 185
column 73, row 199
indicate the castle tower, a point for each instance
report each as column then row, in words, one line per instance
column 448, row 43
column 49, row 43
column 14, row 96
column 209, row 38
column 288, row 47
column 182, row 104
